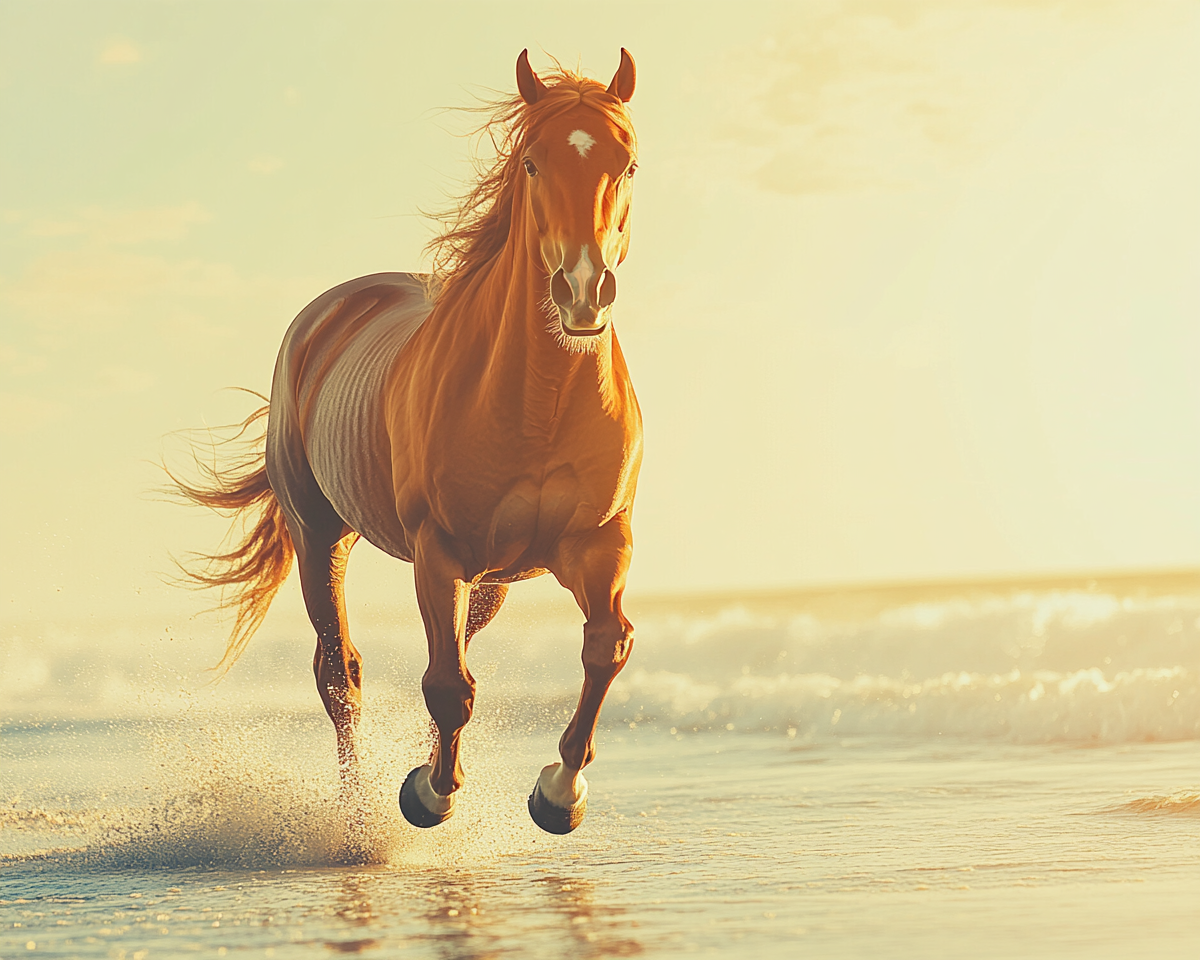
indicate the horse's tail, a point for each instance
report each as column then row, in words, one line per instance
column 251, row 572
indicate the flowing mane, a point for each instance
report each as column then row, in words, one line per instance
column 476, row 229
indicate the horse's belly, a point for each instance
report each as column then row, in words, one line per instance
column 345, row 435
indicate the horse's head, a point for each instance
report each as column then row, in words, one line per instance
column 578, row 155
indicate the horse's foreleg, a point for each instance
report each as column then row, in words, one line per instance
column 595, row 572
column 337, row 665
column 427, row 797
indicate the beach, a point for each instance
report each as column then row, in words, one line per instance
column 994, row 768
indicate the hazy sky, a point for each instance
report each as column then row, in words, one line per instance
column 914, row 288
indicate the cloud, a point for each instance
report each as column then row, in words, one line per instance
column 264, row 165
column 104, row 268
column 124, row 379
column 876, row 94
column 18, row 363
column 20, row 414
column 108, row 226
column 120, row 51
column 94, row 286
column 105, row 304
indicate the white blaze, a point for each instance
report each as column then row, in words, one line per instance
column 582, row 141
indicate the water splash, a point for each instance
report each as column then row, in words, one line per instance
column 264, row 794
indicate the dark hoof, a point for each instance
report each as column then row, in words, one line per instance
column 554, row 819
column 413, row 809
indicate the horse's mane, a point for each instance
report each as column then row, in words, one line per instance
column 476, row 229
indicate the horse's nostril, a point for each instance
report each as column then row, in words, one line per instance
column 560, row 289
column 608, row 289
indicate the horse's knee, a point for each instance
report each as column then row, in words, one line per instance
column 607, row 645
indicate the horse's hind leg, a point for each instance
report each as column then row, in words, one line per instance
column 323, row 543
column 336, row 663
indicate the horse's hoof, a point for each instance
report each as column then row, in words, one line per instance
column 552, row 818
column 415, row 809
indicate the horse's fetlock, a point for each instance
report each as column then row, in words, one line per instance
column 576, row 755
column 450, row 700
column 444, row 784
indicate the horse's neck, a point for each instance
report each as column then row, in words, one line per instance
column 525, row 358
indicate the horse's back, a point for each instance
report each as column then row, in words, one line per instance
column 327, row 420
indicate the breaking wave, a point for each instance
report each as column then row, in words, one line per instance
column 1054, row 666
column 1174, row 805
column 1026, row 666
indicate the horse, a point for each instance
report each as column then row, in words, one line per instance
column 478, row 422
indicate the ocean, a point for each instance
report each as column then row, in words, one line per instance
column 994, row 769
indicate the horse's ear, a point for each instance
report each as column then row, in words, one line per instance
column 528, row 84
column 625, row 78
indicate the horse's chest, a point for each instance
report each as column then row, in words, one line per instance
column 530, row 517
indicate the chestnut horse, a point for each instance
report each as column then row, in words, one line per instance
column 479, row 423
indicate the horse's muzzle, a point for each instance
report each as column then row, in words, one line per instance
column 583, row 312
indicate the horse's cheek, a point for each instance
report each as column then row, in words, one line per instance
column 624, row 244
column 538, row 212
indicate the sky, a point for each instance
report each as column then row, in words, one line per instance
column 913, row 289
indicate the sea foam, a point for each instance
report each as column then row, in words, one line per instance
column 1071, row 665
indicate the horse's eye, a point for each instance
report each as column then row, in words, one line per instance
column 631, row 171
column 530, row 168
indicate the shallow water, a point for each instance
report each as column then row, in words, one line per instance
column 995, row 777
column 708, row 843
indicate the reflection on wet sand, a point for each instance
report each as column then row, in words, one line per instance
column 355, row 907
column 455, row 921
column 595, row 931
column 472, row 917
